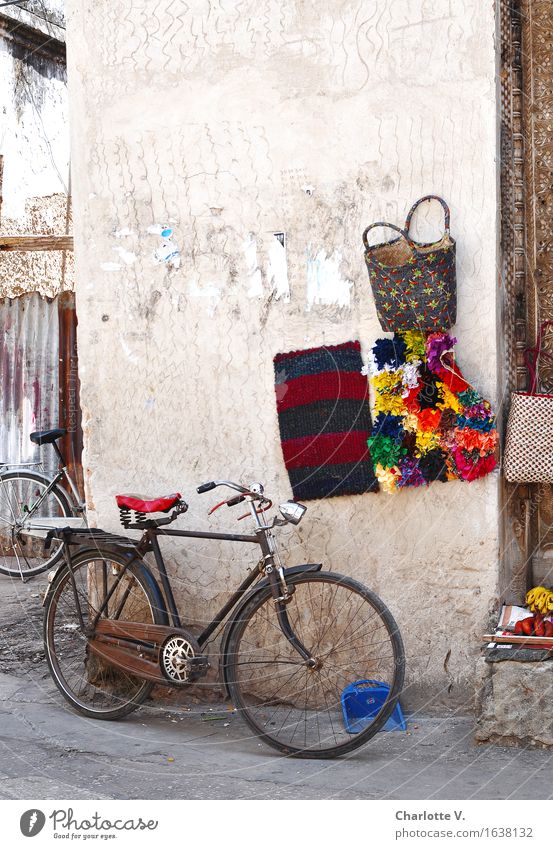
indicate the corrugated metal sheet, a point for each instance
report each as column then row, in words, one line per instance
column 29, row 376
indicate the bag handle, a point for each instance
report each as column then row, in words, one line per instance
column 531, row 366
column 532, row 356
column 391, row 227
column 421, row 200
column 452, row 370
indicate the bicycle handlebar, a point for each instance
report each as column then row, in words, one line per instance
column 232, row 502
column 205, row 487
column 252, row 493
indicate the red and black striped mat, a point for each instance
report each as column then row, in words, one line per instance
column 324, row 421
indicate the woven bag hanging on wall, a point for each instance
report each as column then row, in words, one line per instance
column 324, row 421
column 528, row 454
column 413, row 283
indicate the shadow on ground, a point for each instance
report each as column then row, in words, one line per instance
column 198, row 751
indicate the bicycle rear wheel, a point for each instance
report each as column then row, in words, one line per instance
column 22, row 555
column 306, row 712
column 89, row 684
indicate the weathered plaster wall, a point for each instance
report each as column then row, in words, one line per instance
column 34, row 146
column 230, row 123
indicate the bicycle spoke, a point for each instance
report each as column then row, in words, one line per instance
column 84, row 678
column 351, row 641
column 270, row 660
column 22, row 495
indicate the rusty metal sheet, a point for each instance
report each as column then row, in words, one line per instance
column 29, row 376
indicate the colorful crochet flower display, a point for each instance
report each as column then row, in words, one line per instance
column 430, row 424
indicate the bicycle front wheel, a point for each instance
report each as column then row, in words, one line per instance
column 90, row 685
column 325, row 711
column 24, row 499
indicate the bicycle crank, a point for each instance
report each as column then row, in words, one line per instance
column 155, row 652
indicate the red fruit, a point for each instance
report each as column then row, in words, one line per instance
column 518, row 627
column 548, row 628
column 539, row 629
column 528, row 626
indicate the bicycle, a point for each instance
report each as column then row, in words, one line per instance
column 293, row 640
column 31, row 504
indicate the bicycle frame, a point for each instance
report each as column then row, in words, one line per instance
column 149, row 542
column 168, row 592
column 71, row 490
column 110, row 609
column 37, row 527
column 24, row 519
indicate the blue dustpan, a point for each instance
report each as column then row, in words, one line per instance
column 362, row 701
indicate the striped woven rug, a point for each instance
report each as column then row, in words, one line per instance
column 324, row 421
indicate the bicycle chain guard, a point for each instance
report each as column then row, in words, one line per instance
column 157, row 653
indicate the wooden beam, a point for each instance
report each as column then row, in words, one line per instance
column 36, row 243
column 29, row 42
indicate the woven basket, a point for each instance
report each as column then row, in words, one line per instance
column 528, row 456
column 413, row 283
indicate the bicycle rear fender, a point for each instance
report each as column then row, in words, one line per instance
column 7, row 470
column 144, row 572
column 44, row 479
column 293, row 570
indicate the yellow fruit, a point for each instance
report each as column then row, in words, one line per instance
column 540, row 599
column 533, row 593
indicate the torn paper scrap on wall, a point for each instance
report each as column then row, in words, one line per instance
column 167, row 252
column 325, row 283
column 277, row 272
column 128, row 257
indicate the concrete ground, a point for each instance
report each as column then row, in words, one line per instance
column 50, row 752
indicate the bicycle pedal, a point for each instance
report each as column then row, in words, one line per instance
column 197, row 667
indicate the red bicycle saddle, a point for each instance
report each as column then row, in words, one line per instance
column 145, row 504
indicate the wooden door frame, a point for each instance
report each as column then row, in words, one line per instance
column 69, row 388
column 525, row 301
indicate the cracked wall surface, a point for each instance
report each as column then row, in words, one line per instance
column 228, row 125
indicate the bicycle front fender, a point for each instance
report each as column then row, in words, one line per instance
column 293, row 570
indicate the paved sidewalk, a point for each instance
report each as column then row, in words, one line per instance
column 50, row 752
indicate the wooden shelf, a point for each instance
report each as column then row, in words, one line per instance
column 520, row 640
column 36, row 243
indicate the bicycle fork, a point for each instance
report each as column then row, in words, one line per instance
column 281, row 592
column 292, row 638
